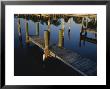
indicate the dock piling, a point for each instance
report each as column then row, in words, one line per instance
column 60, row 39
column 46, row 41
column 27, row 33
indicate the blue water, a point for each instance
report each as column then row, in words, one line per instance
column 71, row 39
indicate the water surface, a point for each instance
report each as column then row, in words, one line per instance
column 34, row 54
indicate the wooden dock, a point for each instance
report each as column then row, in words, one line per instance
column 85, row 66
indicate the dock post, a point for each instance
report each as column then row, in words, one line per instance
column 27, row 32
column 61, row 35
column 37, row 28
column 46, row 48
column 60, row 39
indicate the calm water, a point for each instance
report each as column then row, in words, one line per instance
column 71, row 41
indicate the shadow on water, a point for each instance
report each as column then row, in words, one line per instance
column 29, row 62
column 65, row 32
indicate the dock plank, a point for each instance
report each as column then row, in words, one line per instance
column 81, row 64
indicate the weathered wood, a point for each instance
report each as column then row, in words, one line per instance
column 83, row 65
column 60, row 38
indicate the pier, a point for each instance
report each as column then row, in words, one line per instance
column 85, row 66
column 82, row 65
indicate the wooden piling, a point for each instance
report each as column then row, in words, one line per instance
column 27, row 32
column 46, row 41
column 60, row 39
column 62, row 24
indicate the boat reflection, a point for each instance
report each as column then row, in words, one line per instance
column 84, row 38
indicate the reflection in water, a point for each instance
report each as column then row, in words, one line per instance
column 49, row 24
column 19, row 27
column 69, row 22
column 61, row 35
column 83, row 35
column 37, row 28
column 20, row 40
column 95, row 35
column 84, row 38
column 62, row 23
column 27, row 32
column 69, row 29
column 58, row 28
column 69, row 34
column 19, row 33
